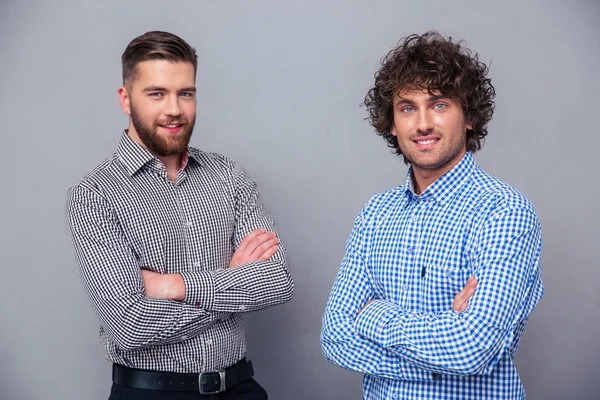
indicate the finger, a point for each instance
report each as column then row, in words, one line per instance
column 269, row 253
column 458, row 302
column 462, row 302
column 255, row 255
column 249, row 237
column 472, row 282
column 461, row 298
column 258, row 241
column 462, row 294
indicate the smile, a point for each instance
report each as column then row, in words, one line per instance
column 429, row 141
column 426, row 142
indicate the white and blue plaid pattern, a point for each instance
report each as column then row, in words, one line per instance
column 413, row 254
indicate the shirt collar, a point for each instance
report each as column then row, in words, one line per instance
column 134, row 156
column 445, row 188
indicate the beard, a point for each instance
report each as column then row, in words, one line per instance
column 162, row 145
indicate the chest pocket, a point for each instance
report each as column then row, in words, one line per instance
column 442, row 282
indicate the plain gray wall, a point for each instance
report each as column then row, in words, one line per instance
column 280, row 83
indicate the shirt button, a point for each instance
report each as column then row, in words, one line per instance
column 209, row 342
column 409, row 250
column 415, row 218
column 189, row 223
column 184, row 337
column 243, row 308
column 405, row 288
column 197, row 264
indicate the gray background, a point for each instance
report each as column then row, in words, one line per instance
column 280, row 83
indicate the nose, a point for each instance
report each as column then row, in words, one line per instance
column 173, row 108
column 424, row 122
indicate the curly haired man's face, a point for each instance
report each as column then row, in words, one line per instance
column 431, row 131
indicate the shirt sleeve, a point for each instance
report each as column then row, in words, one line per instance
column 250, row 286
column 340, row 341
column 506, row 264
column 112, row 280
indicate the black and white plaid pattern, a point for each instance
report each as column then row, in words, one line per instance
column 126, row 214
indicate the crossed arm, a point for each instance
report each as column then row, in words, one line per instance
column 258, row 245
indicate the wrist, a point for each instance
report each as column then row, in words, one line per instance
column 177, row 286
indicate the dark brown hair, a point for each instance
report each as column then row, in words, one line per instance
column 155, row 45
column 433, row 63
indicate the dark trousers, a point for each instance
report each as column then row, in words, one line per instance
column 248, row 390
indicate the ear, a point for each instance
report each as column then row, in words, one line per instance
column 125, row 100
column 393, row 130
column 469, row 125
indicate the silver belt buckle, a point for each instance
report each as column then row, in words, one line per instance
column 213, row 381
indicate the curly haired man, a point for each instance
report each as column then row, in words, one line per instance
column 440, row 274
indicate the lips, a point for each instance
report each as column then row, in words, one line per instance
column 171, row 128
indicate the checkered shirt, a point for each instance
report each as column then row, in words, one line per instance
column 413, row 254
column 126, row 214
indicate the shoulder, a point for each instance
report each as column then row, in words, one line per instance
column 503, row 195
column 503, row 204
column 97, row 178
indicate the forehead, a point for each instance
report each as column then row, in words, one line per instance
column 164, row 73
column 416, row 94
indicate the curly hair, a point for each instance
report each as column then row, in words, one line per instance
column 433, row 63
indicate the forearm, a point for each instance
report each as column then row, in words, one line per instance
column 138, row 321
column 342, row 346
column 248, row 287
column 443, row 343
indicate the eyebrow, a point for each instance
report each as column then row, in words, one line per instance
column 162, row 89
column 431, row 99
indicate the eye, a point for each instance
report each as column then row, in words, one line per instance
column 439, row 106
column 407, row 109
column 186, row 94
column 155, row 94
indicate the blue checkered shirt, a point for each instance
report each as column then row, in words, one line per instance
column 413, row 254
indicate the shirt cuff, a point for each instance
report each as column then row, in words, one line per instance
column 199, row 289
column 371, row 322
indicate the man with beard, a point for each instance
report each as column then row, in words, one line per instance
column 451, row 228
column 173, row 243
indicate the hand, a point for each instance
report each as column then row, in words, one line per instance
column 460, row 300
column 257, row 245
column 163, row 286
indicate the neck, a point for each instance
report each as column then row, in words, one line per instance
column 172, row 165
column 422, row 178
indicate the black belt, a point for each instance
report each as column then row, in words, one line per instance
column 210, row 382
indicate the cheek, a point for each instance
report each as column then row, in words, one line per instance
column 400, row 129
column 189, row 106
